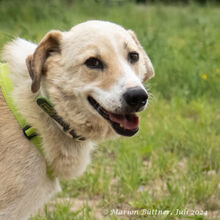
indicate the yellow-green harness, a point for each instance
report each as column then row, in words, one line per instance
column 7, row 88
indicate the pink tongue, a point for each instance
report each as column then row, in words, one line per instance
column 129, row 122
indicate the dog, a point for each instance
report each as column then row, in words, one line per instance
column 93, row 77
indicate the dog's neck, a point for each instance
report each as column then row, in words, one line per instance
column 67, row 157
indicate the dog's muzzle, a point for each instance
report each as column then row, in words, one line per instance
column 125, row 123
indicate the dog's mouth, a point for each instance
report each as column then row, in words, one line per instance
column 123, row 124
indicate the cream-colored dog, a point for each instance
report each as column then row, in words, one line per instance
column 93, row 76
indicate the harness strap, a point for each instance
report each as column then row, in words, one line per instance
column 29, row 132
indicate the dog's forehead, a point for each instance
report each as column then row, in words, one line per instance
column 98, row 33
column 98, row 26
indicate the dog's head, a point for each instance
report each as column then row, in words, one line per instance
column 93, row 75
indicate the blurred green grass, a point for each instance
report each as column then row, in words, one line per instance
column 174, row 161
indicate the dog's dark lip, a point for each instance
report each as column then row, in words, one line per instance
column 116, row 126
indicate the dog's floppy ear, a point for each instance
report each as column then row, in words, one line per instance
column 35, row 63
column 149, row 67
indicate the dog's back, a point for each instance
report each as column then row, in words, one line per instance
column 15, row 53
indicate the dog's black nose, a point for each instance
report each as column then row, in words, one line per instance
column 135, row 97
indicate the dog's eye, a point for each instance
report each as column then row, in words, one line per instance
column 133, row 57
column 94, row 63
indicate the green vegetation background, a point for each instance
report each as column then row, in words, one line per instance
column 174, row 161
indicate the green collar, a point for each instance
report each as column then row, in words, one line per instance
column 48, row 107
column 29, row 132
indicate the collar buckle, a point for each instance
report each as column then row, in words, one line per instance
column 29, row 132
